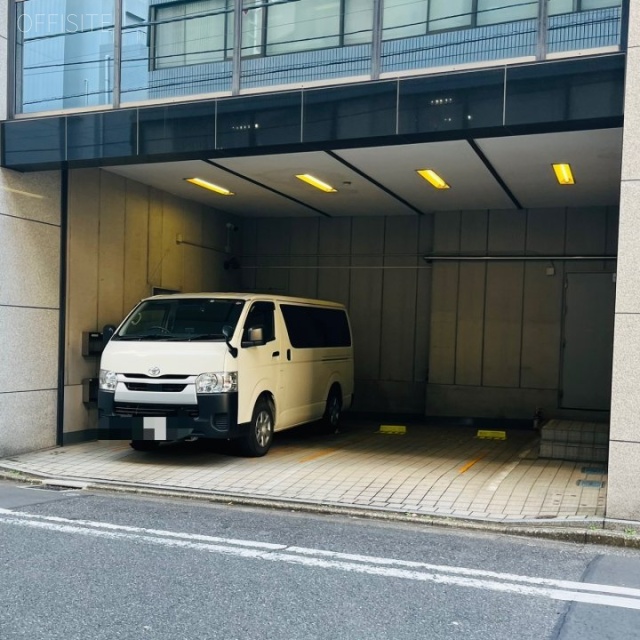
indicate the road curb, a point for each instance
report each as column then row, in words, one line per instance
column 601, row 531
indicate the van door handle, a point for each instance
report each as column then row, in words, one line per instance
column 275, row 354
column 288, row 354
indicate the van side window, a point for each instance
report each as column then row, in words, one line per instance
column 313, row 327
column 261, row 315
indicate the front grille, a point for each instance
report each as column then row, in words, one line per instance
column 154, row 410
column 221, row 421
column 143, row 375
column 158, row 388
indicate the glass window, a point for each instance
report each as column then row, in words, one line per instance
column 404, row 18
column 64, row 57
column 303, row 25
column 557, row 7
column 358, row 21
column 181, row 319
column 496, row 11
column 252, row 27
column 314, row 327
column 261, row 315
column 599, row 4
column 450, row 14
column 190, row 33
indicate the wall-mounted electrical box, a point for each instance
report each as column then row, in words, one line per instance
column 92, row 343
column 90, row 390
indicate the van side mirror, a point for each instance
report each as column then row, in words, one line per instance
column 255, row 337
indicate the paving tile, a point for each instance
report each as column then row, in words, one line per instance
column 420, row 473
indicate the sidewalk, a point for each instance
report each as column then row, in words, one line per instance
column 429, row 471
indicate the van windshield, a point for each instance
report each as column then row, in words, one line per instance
column 181, row 319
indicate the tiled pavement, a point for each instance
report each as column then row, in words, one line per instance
column 428, row 471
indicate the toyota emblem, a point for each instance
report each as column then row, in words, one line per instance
column 154, row 372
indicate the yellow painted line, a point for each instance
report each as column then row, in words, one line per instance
column 393, row 429
column 468, row 466
column 492, row 435
column 317, row 454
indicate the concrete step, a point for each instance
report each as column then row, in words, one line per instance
column 574, row 440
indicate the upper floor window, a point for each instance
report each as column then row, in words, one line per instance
column 198, row 31
column 570, row 6
column 192, row 32
column 406, row 18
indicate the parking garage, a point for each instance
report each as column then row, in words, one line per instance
column 491, row 298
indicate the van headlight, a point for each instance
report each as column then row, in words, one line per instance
column 108, row 380
column 217, row 382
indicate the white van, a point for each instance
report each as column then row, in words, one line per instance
column 224, row 365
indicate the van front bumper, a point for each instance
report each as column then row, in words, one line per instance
column 215, row 416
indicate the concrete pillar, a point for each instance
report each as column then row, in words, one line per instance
column 29, row 297
column 623, row 499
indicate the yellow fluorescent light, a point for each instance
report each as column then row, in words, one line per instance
column 433, row 178
column 314, row 182
column 564, row 173
column 211, row 187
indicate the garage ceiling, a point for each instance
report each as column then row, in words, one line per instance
column 496, row 173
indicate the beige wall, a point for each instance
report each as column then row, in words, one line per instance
column 496, row 328
column 122, row 242
column 29, row 298
column 441, row 339
column 342, row 259
column 623, row 498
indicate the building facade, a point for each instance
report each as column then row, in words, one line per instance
column 502, row 294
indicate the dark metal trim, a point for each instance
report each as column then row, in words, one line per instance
column 380, row 186
column 62, row 326
column 264, row 186
column 624, row 25
column 514, row 258
column 492, row 170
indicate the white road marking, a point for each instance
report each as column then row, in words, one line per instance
column 498, row 479
column 623, row 597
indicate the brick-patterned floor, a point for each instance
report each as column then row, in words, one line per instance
column 429, row 470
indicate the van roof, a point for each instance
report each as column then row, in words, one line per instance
column 247, row 297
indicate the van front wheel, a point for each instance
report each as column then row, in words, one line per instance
column 258, row 441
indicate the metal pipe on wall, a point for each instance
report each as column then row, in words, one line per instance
column 515, row 258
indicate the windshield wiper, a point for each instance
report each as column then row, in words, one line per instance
column 205, row 336
column 147, row 336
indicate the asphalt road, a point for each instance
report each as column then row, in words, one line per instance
column 89, row 567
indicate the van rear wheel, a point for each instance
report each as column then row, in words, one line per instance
column 258, row 441
column 333, row 411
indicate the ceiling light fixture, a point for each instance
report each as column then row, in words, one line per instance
column 314, row 182
column 199, row 182
column 564, row 174
column 433, row 178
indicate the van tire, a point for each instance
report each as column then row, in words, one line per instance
column 144, row 445
column 333, row 411
column 258, row 441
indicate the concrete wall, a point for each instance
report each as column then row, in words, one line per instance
column 373, row 265
column 29, row 299
column 446, row 338
column 623, row 498
column 496, row 328
column 122, row 242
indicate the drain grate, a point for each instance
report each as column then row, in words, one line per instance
column 594, row 484
column 593, row 471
